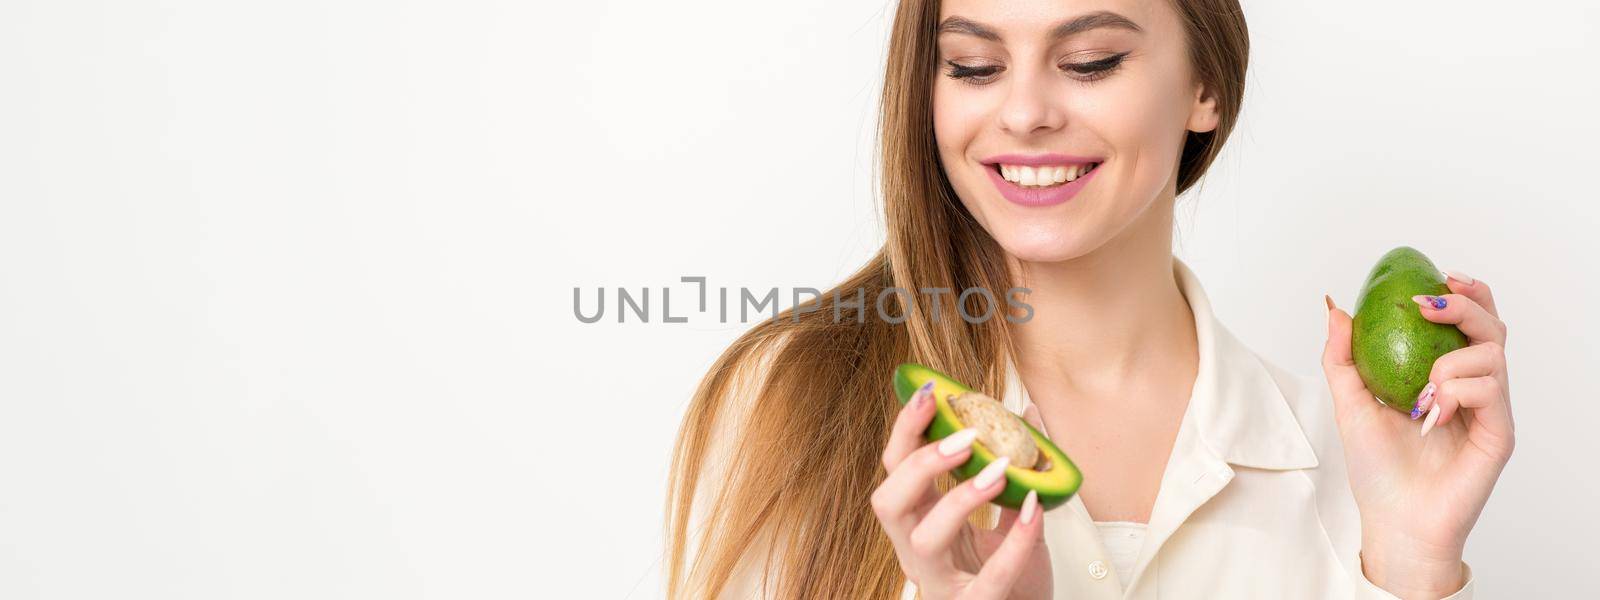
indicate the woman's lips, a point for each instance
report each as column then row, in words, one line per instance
column 1039, row 196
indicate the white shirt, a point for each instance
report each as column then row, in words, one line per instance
column 1254, row 502
column 1123, row 540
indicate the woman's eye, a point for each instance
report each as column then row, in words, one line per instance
column 974, row 75
column 1083, row 71
column 1090, row 71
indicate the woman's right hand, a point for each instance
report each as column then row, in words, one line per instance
column 938, row 549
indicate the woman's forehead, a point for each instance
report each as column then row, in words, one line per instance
column 1002, row 21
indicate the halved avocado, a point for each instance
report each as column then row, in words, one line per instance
column 1056, row 483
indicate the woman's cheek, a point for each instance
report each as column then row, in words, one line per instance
column 1145, row 131
column 957, row 117
column 958, row 121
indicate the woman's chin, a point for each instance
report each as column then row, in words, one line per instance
column 1040, row 246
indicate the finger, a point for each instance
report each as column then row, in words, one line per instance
column 904, row 496
column 999, row 574
column 932, row 537
column 1486, row 396
column 1008, row 518
column 1465, row 314
column 906, row 435
column 1478, row 393
column 1477, row 290
column 1350, row 395
column 1472, row 361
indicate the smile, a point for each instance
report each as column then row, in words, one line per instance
column 1043, row 176
column 1040, row 180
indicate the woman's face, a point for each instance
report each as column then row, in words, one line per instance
column 1029, row 94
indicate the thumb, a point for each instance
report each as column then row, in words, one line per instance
column 1350, row 395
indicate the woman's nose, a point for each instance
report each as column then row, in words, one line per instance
column 1030, row 105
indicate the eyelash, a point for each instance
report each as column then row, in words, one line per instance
column 1086, row 72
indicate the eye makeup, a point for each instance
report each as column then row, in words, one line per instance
column 1083, row 71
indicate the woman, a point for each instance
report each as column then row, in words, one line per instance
column 1210, row 473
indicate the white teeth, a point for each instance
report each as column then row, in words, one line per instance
column 1031, row 176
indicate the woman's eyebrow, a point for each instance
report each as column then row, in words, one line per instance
column 1080, row 24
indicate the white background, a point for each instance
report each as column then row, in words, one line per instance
column 286, row 287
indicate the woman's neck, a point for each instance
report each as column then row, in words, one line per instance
column 1108, row 319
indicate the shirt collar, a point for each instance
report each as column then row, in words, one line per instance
column 1236, row 408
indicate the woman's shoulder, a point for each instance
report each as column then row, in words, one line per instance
column 731, row 389
column 706, row 458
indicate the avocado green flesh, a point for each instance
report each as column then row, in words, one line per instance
column 1393, row 345
column 1055, row 485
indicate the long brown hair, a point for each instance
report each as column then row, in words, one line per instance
column 789, row 423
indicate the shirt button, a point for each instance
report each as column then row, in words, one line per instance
column 1097, row 570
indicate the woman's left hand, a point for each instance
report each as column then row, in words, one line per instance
column 1420, row 484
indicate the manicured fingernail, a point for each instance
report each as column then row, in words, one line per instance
column 958, row 441
column 1424, row 399
column 1459, row 276
column 1030, row 507
column 1329, row 300
column 1433, row 416
column 1434, row 302
column 923, row 395
column 992, row 473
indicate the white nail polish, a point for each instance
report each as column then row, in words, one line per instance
column 958, row 441
column 1433, row 416
column 992, row 473
column 1030, row 506
column 1459, row 276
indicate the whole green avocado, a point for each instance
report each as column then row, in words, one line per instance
column 1393, row 345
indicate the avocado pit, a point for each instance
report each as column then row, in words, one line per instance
column 1002, row 432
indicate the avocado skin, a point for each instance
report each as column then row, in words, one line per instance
column 1393, row 345
column 1055, row 486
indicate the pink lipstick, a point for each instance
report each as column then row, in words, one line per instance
column 1040, row 196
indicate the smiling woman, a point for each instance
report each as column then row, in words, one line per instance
column 1043, row 144
column 1134, row 102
